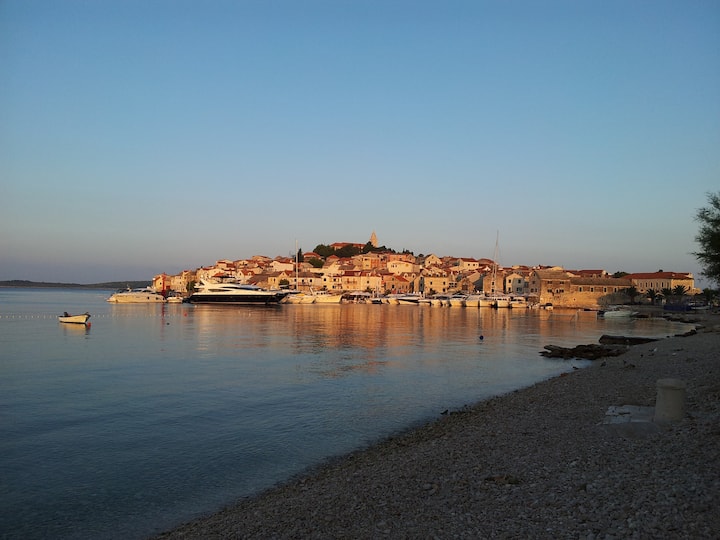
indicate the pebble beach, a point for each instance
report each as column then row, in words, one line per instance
column 540, row 462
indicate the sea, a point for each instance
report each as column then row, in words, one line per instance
column 156, row 414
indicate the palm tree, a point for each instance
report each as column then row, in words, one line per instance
column 679, row 291
column 633, row 293
column 667, row 294
column 653, row 295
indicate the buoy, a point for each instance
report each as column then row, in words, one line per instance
column 481, row 338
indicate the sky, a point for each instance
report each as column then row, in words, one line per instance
column 147, row 136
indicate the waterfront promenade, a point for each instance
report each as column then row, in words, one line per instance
column 535, row 463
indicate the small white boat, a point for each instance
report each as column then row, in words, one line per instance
column 616, row 313
column 74, row 319
column 518, row 302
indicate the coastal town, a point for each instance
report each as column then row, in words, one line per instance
column 357, row 270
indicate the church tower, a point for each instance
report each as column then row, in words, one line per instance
column 373, row 240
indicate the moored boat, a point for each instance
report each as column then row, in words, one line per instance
column 409, row 298
column 144, row 295
column 326, row 297
column 457, row 300
column 614, row 313
column 298, row 297
column 486, row 301
column 74, row 319
column 230, row 292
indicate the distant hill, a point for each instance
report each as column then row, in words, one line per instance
column 107, row 285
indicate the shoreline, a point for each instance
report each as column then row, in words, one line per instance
column 536, row 462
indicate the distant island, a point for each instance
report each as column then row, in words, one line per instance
column 107, row 285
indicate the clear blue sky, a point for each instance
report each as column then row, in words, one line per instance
column 139, row 137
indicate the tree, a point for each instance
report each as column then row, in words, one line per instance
column 709, row 238
column 633, row 293
column 667, row 294
column 653, row 295
column 324, row 251
column 709, row 295
column 679, row 290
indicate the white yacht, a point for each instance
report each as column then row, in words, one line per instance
column 145, row 295
column 409, row 298
column 234, row 293
column 326, row 297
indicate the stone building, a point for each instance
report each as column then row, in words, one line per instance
column 564, row 289
column 658, row 281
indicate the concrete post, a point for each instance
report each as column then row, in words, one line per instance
column 670, row 403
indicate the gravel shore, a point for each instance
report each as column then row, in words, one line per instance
column 535, row 463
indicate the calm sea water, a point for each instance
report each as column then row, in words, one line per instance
column 158, row 413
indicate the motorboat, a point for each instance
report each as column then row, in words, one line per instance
column 145, row 295
column 409, row 298
column 74, row 319
column 518, row 302
column 326, row 297
column 486, row 301
column 356, row 297
column 440, row 300
column 298, row 297
column 614, row 313
column 230, row 292
column 457, row 300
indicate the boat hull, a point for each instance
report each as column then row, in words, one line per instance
column 617, row 314
column 258, row 298
column 328, row 298
column 136, row 298
column 74, row 319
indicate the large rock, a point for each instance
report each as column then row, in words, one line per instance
column 624, row 340
column 587, row 352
